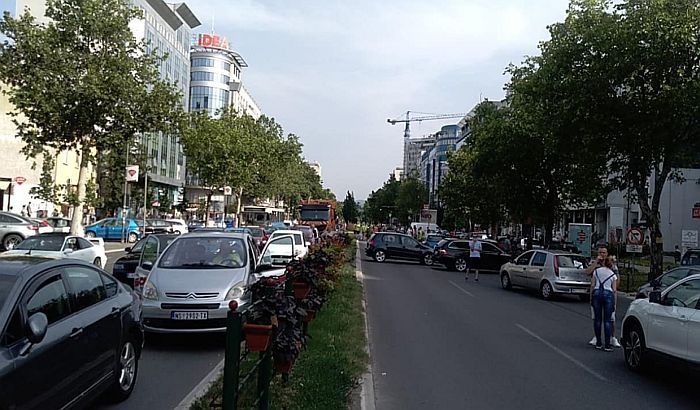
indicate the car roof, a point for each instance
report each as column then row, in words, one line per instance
column 23, row 265
column 287, row 231
column 214, row 234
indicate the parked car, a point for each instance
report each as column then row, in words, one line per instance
column 563, row 246
column 549, row 272
column 179, row 226
column 432, row 240
column 188, row 287
column 112, row 228
column 124, row 268
column 667, row 279
column 301, row 247
column 390, row 245
column 158, row 226
column 14, row 228
column 43, row 225
column 71, row 332
column 691, row 257
column 193, row 224
column 61, row 245
column 308, row 233
column 59, row 224
column 667, row 325
column 258, row 234
column 454, row 254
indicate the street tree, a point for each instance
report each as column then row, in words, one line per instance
column 82, row 81
column 349, row 208
column 412, row 196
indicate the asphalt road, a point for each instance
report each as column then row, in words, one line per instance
column 170, row 366
column 440, row 342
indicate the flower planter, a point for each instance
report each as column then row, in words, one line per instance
column 310, row 315
column 275, row 280
column 283, row 367
column 257, row 337
column 301, row 289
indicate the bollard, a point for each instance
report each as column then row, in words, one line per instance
column 234, row 333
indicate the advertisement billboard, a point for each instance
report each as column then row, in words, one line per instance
column 580, row 235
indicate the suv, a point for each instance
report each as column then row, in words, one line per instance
column 14, row 228
column 691, row 257
column 666, row 325
column 454, row 254
column 391, row 245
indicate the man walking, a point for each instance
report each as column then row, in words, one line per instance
column 474, row 259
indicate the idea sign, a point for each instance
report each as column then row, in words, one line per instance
column 20, row 180
column 132, row 173
column 210, row 40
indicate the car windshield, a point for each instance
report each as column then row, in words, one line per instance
column 571, row 261
column 307, row 214
column 41, row 243
column 691, row 258
column 204, row 253
column 6, row 284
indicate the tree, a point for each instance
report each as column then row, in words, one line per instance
column 350, row 212
column 46, row 190
column 625, row 80
column 411, row 197
column 82, row 82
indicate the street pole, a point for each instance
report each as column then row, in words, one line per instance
column 126, row 184
column 145, row 199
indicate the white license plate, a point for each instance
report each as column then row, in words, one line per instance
column 189, row 315
column 132, row 275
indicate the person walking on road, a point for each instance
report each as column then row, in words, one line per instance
column 474, row 259
column 602, row 256
column 604, row 300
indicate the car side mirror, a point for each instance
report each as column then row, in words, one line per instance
column 68, row 251
column 655, row 297
column 127, row 249
column 147, row 265
column 36, row 327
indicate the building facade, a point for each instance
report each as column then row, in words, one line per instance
column 434, row 165
column 413, row 149
column 316, row 166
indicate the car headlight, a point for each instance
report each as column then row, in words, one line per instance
column 236, row 291
column 150, row 291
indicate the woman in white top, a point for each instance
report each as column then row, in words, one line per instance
column 604, row 299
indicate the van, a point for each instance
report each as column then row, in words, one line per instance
column 427, row 227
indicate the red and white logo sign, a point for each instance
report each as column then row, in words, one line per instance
column 155, row 204
column 696, row 213
column 635, row 236
column 20, row 180
column 581, row 236
column 211, row 40
column 132, row 173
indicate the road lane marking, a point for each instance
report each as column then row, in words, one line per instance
column 461, row 288
column 563, row 354
column 114, row 250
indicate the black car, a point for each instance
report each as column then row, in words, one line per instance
column 68, row 333
column 666, row 280
column 454, row 254
column 391, row 245
column 691, row 257
column 124, row 267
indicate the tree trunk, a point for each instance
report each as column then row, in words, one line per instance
column 206, row 211
column 239, row 202
column 77, row 219
column 651, row 215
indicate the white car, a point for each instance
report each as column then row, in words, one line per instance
column 301, row 248
column 667, row 324
column 179, row 226
column 58, row 245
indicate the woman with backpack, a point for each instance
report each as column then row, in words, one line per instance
column 604, row 300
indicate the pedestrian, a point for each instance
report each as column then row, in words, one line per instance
column 604, row 298
column 420, row 236
column 29, row 210
column 23, row 212
column 602, row 255
column 474, row 259
column 677, row 254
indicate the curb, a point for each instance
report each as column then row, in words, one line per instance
column 201, row 388
column 367, row 398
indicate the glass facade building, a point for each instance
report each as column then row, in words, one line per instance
column 215, row 76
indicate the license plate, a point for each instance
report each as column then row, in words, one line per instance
column 131, row 275
column 189, row 315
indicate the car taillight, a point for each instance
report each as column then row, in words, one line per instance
column 442, row 252
column 44, row 223
column 32, row 227
column 370, row 242
column 556, row 267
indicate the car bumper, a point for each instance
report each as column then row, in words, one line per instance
column 572, row 287
column 157, row 316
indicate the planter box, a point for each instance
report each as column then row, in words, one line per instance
column 310, row 315
column 257, row 337
column 301, row 289
column 283, row 367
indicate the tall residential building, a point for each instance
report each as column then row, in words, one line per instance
column 167, row 30
column 413, row 149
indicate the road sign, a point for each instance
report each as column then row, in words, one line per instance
column 20, row 180
column 635, row 236
column 634, row 248
column 689, row 238
column 155, row 204
column 132, row 173
column 228, row 190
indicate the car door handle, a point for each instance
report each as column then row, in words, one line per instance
column 115, row 312
column 76, row 332
column 683, row 318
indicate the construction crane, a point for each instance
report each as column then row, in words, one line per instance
column 425, row 117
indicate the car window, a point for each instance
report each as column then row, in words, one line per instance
column 51, row 299
column 7, row 282
column 691, row 258
column 138, row 246
column 11, row 219
column 673, row 276
column 110, row 285
column 109, row 222
column 571, row 261
column 86, row 285
column 298, row 239
column 278, row 251
column 487, row 247
column 5, row 219
column 685, row 295
column 389, row 239
column 41, row 243
column 460, row 245
column 150, row 250
column 14, row 331
column 71, row 243
column 524, row 259
column 409, row 242
column 539, row 259
column 84, row 244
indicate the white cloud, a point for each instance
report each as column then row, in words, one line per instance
column 333, row 71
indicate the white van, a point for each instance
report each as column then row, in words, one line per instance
column 427, row 227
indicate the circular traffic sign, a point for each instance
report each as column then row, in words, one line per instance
column 635, row 236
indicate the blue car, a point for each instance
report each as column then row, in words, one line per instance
column 433, row 240
column 111, row 228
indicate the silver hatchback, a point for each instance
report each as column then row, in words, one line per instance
column 190, row 285
column 549, row 272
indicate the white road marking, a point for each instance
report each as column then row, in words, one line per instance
column 114, row 250
column 462, row 289
column 563, row 354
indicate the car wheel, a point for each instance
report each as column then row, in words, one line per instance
column 460, row 264
column 505, row 281
column 132, row 237
column 427, row 259
column 90, row 234
column 10, row 241
column 126, row 372
column 379, row 256
column 634, row 347
column 97, row 262
column 546, row 291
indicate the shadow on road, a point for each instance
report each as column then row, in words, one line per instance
column 185, row 342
